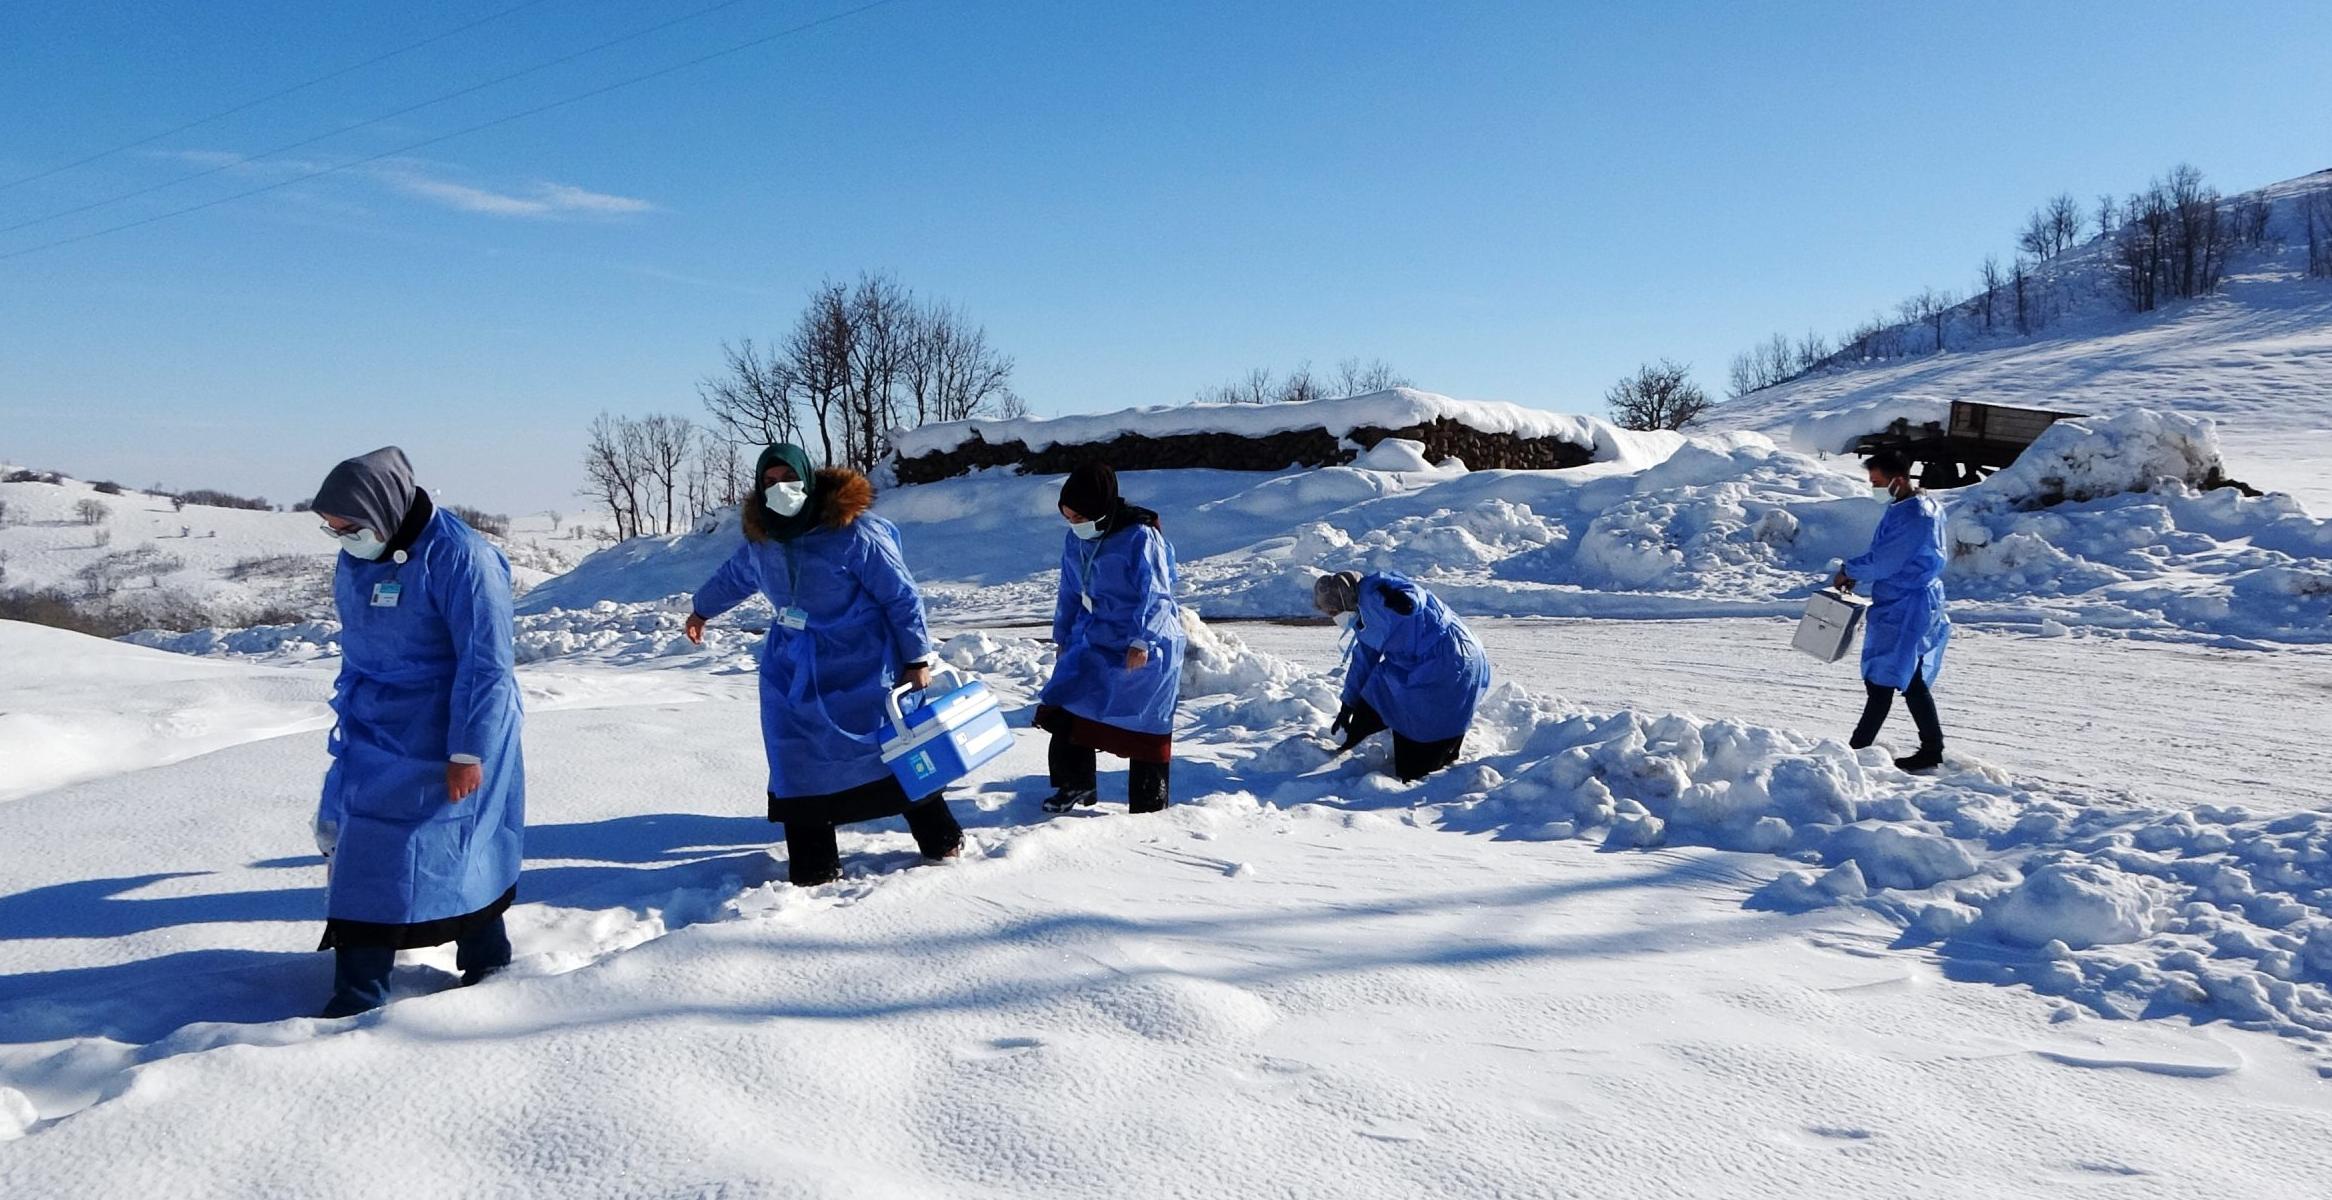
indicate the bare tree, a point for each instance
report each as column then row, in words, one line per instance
column 2108, row 214
column 611, row 464
column 1254, row 387
column 2064, row 214
column 1659, row 395
column 757, row 398
column 2249, row 218
column 2020, row 279
column 665, row 445
column 2316, row 218
column 2038, row 237
column 1300, row 385
column 1812, row 350
column 1353, row 378
column 968, row 377
column 881, row 313
column 92, row 512
column 1993, row 278
column 819, row 351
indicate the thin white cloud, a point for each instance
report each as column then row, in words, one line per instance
column 540, row 199
column 433, row 183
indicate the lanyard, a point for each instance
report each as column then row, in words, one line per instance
column 1085, row 573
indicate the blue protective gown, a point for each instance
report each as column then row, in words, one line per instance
column 1117, row 591
column 824, row 688
column 1422, row 670
column 420, row 681
column 1905, row 629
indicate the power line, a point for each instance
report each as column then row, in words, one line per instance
column 246, row 160
column 659, row 73
column 223, row 114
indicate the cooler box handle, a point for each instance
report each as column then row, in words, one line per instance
column 898, row 718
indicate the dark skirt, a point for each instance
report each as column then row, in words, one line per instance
column 1127, row 744
column 867, row 802
column 340, row 932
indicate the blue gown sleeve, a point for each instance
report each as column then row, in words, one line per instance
column 880, row 567
column 1358, row 666
column 1065, row 603
column 1126, row 582
column 1890, row 547
column 729, row 586
column 473, row 595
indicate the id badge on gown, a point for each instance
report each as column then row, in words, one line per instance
column 385, row 595
column 793, row 617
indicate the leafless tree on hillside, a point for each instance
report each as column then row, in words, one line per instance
column 1994, row 278
column 2064, row 213
column 1658, row 396
column 2316, row 217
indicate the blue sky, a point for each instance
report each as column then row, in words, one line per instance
column 1506, row 201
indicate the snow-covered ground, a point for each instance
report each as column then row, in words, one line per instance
column 1617, row 953
column 2099, row 528
column 2256, row 357
column 222, row 565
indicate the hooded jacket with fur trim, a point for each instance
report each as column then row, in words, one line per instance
column 848, row 620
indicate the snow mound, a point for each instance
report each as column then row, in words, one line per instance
column 2074, row 903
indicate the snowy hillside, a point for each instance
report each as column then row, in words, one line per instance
column 2096, row 532
column 2256, row 357
column 1464, row 987
column 195, row 564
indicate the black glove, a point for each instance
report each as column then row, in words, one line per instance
column 1343, row 720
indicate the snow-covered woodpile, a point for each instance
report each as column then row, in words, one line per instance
column 1258, row 438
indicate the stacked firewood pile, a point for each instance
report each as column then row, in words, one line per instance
column 1316, row 447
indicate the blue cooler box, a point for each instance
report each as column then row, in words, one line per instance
column 946, row 737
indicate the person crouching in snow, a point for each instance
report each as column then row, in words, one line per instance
column 848, row 627
column 1118, row 638
column 1905, row 630
column 1411, row 666
column 424, row 807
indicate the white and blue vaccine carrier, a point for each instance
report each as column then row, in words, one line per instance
column 946, row 737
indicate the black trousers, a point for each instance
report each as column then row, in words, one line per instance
column 1412, row 759
column 1072, row 766
column 812, row 854
column 1881, row 700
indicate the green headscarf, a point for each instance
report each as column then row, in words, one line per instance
column 757, row 511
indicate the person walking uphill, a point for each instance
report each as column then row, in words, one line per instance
column 1412, row 667
column 1119, row 645
column 424, row 807
column 848, row 627
column 1905, row 631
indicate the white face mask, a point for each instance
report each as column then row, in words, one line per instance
column 786, row 499
column 1343, row 620
column 363, row 543
column 1085, row 530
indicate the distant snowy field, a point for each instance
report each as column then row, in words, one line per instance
column 1616, row 953
column 2256, row 358
column 229, row 565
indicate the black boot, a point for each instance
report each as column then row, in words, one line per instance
column 1069, row 798
column 1146, row 787
column 1927, row 759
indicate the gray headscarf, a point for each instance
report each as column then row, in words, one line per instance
column 374, row 490
column 1337, row 593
